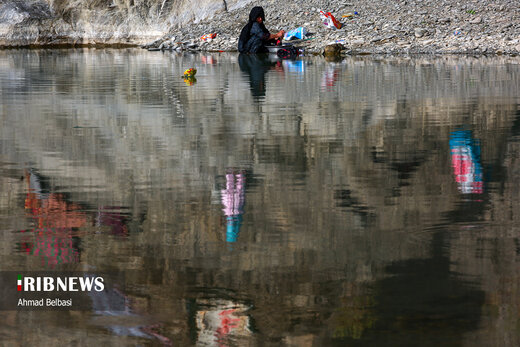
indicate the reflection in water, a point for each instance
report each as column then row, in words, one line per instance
column 356, row 230
column 106, row 307
column 112, row 218
column 221, row 323
column 465, row 159
column 55, row 238
column 56, row 219
column 355, row 315
column 330, row 76
column 233, row 198
column 256, row 66
column 294, row 66
column 433, row 299
column 189, row 80
column 208, row 59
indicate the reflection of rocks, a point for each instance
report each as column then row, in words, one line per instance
column 488, row 250
column 338, row 186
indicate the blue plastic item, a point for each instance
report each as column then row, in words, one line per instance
column 298, row 33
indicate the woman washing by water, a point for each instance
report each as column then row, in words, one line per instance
column 254, row 37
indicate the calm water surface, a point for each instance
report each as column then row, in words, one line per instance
column 366, row 202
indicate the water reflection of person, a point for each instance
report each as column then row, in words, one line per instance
column 56, row 219
column 465, row 160
column 233, row 198
column 256, row 66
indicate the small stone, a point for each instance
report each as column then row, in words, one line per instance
column 476, row 20
column 420, row 32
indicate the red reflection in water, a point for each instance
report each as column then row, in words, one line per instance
column 465, row 159
column 109, row 216
column 221, row 322
column 52, row 238
column 208, row 59
column 330, row 78
column 228, row 322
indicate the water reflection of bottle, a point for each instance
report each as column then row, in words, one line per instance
column 465, row 159
column 233, row 200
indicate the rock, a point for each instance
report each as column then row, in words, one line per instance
column 476, row 20
column 396, row 24
column 333, row 49
column 420, row 32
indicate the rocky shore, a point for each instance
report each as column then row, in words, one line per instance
column 369, row 27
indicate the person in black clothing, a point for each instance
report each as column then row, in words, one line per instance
column 254, row 36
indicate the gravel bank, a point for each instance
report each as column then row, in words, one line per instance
column 379, row 27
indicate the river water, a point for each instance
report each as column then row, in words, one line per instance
column 369, row 201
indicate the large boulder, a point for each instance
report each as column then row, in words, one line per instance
column 333, row 49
